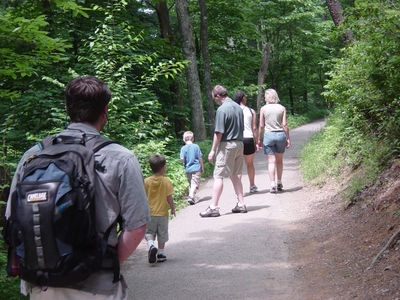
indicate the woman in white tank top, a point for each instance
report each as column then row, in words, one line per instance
column 249, row 137
column 276, row 137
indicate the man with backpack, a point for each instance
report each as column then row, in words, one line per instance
column 118, row 195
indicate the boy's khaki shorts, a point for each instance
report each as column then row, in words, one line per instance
column 158, row 228
column 229, row 159
column 194, row 179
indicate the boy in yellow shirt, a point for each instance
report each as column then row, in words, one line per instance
column 159, row 192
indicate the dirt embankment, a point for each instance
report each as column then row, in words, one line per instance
column 352, row 252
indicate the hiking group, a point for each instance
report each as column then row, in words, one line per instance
column 234, row 141
column 79, row 206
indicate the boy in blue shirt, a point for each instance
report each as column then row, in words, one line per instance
column 191, row 157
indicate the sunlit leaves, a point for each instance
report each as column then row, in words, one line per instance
column 365, row 80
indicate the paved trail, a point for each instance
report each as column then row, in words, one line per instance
column 234, row 256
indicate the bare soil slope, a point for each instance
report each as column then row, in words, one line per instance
column 338, row 245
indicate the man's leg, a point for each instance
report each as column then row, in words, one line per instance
column 238, row 187
column 217, row 191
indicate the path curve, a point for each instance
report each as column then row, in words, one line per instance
column 234, row 256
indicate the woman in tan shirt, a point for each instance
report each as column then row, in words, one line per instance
column 276, row 137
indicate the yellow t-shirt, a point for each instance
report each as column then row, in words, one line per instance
column 158, row 188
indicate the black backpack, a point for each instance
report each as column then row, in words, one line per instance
column 52, row 228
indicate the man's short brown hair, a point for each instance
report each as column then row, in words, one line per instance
column 85, row 98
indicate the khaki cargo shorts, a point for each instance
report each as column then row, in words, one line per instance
column 229, row 159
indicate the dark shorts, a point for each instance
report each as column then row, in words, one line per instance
column 249, row 146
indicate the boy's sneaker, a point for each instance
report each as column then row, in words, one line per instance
column 152, row 254
column 161, row 258
column 273, row 190
column 239, row 209
column 191, row 201
column 210, row 212
column 253, row 189
column 280, row 187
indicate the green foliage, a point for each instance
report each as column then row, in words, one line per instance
column 362, row 136
column 9, row 286
column 25, row 46
column 114, row 52
column 320, row 157
column 339, row 149
column 364, row 80
column 299, row 45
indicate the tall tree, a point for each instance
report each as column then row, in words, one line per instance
column 206, row 65
column 261, row 74
column 192, row 75
column 335, row 9
column 298, row 39
column 176, row 94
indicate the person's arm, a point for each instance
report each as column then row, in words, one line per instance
column 285, row 128
column 182, row 156
column 128, row 242
column 254, row 128
column 261, row 127
column 134, row 206
column 170, row 201
column 201, row 164
column 216, row 142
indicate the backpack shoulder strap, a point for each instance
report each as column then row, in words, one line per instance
column 99, row 142
column 46, row 142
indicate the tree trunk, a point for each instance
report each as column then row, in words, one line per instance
column 305, row 96
column 291, row 101
column 175, row 87
column 261, row 75
column 192, row 75
column 335, row 9
column 206, row 66
column 163, row 18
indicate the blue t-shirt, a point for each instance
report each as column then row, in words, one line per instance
column 191, row 154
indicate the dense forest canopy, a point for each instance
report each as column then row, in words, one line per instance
column 136, row 47
column 155, row 59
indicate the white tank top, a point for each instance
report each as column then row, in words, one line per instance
column 248, row 127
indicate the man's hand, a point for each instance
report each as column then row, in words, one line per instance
column 211, row 156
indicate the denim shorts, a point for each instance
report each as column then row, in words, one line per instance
column 274, row 142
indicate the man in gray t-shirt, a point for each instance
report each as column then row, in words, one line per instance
column 228, row 150
column 119, row 192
